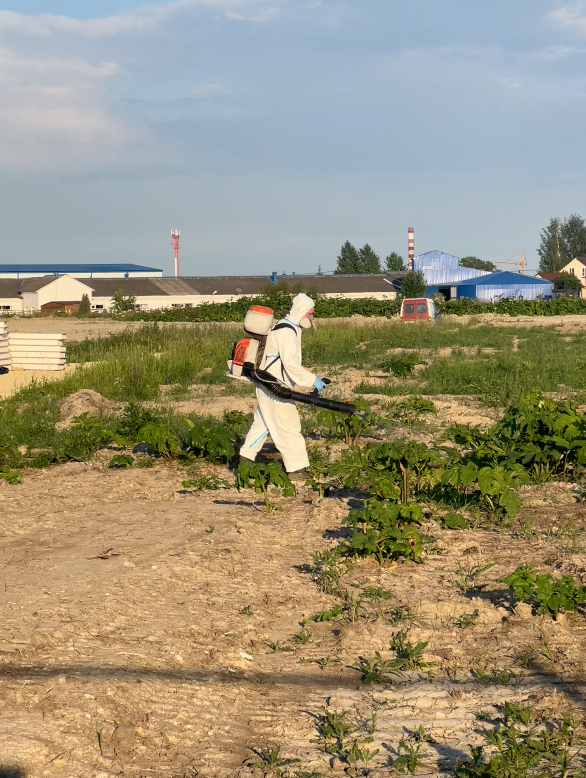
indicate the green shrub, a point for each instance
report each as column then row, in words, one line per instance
column 401, row 366
column 160, row 438
column 348, row 426
column 13, row 477
column 85, row 436
column 545, row 593
column 121, row 461
column 259, row 476
column 238, row 422
column 386, row 531
column 133, row 418
column 544, row 437
column 210, row 439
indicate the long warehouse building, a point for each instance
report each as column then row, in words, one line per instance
column 63, row 292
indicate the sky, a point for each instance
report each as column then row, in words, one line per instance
column 271, row 131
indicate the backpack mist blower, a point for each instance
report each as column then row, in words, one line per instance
column 247, row 356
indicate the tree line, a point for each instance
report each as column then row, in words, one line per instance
column 366, row 260
column 561, row 241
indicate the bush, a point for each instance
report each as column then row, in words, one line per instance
column 210, row 439
column 567, row 282
column 545, row 593
column 386, row 531
column 121, row 461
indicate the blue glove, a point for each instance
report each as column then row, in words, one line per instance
column 319, row 384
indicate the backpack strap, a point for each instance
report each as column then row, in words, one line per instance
column 281, row 326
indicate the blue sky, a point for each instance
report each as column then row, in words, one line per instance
column 271, row 131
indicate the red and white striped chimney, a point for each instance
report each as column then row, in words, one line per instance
column 175, row 243
column 411, row 249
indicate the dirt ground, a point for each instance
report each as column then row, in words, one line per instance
column 16, row 379
column 150, row 631
column 81, row 329
column 143, row 626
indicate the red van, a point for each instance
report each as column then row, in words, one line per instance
column 419, row 309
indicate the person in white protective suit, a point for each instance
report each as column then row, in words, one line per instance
column 273, row 416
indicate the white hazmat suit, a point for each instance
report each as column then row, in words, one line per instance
column 275, row 417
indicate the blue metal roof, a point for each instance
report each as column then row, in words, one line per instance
column 443, row 269
column 503, row 277
column 81, row 268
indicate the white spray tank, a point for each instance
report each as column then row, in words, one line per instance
column 257, row 323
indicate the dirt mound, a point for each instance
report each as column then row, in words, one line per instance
column 82, row 401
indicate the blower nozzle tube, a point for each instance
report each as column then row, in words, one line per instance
column 283, row 392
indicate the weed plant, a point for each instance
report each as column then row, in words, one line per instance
column 269, row 760
column 259, row 476
column 546, row 594
column 338, row 736
column 206, row 482
column 121, row 461
column 524, row 746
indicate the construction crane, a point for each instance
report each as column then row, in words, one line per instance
column 522, row 263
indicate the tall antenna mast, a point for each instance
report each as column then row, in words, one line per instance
column 411, row 249
column 175, row 243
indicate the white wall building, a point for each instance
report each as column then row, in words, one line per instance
column 63, row 293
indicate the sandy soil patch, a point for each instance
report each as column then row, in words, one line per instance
column 136, row 624
column 16, row 379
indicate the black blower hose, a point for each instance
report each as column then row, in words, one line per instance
column 274, row 386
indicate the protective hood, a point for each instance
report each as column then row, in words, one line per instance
column 301, row 305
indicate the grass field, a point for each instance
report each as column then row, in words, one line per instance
column 423, row 593
column 162, row 364
column 495, row 362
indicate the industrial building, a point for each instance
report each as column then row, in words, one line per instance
column 79, row 271
column 443, row 271
column 494, row 286
column 64, row 292
column 444, row 275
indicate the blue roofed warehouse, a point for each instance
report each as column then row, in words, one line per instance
column 493, row 287
column 79, row 270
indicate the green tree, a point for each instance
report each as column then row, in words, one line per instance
column 478, row 264
column 552, row 255
column 85, row 307
column 368, row 260
column 413, row 284
column 348, row 259
column 122, row 302
column 395, row 263
column 573, row 236
column 568, row 282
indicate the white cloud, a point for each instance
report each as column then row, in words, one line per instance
column 56, row 114
column 61, row 112
column 145, row 19
column 572, row 17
